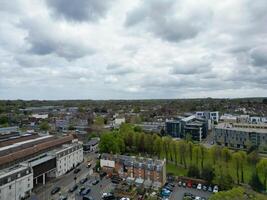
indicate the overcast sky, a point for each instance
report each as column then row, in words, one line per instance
column 132, row 49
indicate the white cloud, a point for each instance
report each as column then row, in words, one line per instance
column 132, row 49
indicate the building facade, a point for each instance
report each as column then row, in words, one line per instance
column 135, row 168
column 241, row 136
column 16, row 182
column 68, row 157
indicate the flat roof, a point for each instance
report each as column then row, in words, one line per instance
column 24, row 142
column 12, row 170
column 39, row 160
column 231, row 127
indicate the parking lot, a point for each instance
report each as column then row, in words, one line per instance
column 178, row 193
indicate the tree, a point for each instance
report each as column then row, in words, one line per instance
column 253, row 158
column 255, row 182
column 243, row 161
column 196, row 150
column 182, row 151
column 158, row 146
column 234, row 194
column 215, row 153
column 202, row 155
column 207, row 173
column 174, row 150
column 226, row 155
column 193, row 171
column 44, row 126
column 222, row 178
column 236, row 159
column 190, row 150
column 262, row 169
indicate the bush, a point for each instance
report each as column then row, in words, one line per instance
column 193, row 171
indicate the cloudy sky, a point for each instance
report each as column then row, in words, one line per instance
column 132, row 49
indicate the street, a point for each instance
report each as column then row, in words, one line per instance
column 65, row 182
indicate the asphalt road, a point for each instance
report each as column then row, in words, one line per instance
column 65, row 182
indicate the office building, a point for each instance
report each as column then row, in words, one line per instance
column 241, row 136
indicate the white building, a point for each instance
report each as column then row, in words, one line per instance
column 68, row 157
column 16, row 182
column 214, row 116
column 39, row 116
column 118, row 121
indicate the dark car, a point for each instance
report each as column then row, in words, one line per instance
column 81, row 189
column 77, row 170
column 194, row 185
column 168, row 188
column 87, row 198
column 82, row 181
column 102, row 174
column 109, row 197
column 95, row 182
column 63, row 198
column 73, row 188
column 55, row 190
column 204, row 188
column 86, row 191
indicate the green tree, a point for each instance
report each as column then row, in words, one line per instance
column 158, row 146
column 182, row 147
column 243, row 162
column 237, row 160
column 196, row 151
column 255, row 182
column 190, row 150
column 193, row 171
column 202, row 154
column 44, row 126
column 207, row 173
column 226, row 156
column 262, row 169
column 234, row 194
column 215, row 153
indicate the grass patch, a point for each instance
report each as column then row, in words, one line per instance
column 177, row 171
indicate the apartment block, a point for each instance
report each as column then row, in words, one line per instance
column 16, row 182
column 241, row 136
column 138, row 168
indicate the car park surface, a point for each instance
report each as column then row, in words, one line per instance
column 179, row 193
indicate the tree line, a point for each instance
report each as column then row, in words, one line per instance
column 217, row 165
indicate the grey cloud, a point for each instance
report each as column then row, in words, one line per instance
column 191, row 68
column 80, row 10
column 119, row 69
column 160, row 18
column 42, row 42
column 259, row 56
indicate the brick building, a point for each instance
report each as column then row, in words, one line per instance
column 138, row 168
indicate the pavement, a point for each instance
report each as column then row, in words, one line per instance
column 178, row 193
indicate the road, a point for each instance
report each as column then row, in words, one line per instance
column 178, row 193
column 65, row 182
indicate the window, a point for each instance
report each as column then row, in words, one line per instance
column 18, row 175
column 10, row 187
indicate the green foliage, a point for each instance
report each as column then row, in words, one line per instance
column 207, row 173
column 262, row 169
column 193, row 171
column 44, row 126
column 234, row 194
column 255, row 182
column 3, row 120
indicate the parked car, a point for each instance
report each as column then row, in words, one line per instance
column 197, row 198
column 180, row 183
column 95, row 182
column 189, row 184
column 184, row 184
column 87, row 198
column 165, row 192
column 89, row 165
column 86, row 191
column 168, row 188
column 210, row 188
column 194, row 185
column 81, row 189
column 77, row 170
column 63, row 198
column 204, row 188
column 55, row 190
column 82, row 181
column 199, row 186
column 102, row 174
column 73, row 188
column 215, row 189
